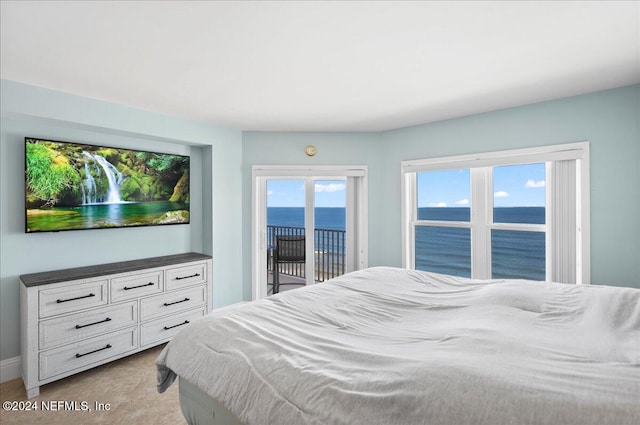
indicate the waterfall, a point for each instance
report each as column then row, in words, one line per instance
column 114, row 178
column 89, row 187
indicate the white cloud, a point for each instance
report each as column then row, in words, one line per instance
column 534, row 184
column 269, row 192
column 438, row 204
column 462, row 202
column 331, row 187
column 501, row 194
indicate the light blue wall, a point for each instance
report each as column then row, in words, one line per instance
column 609, row 120
column 215, row 184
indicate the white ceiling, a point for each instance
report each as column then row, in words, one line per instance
column 321, row 66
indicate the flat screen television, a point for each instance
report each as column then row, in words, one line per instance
column 75, row 186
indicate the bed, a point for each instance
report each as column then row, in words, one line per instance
column 395, row 346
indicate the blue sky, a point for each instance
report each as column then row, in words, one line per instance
column 290, row 193
column 513, row 186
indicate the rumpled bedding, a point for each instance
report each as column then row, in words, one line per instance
column 395, row 346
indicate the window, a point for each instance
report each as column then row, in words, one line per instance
column 518, row 249
column 442, row 232
column 510, row 214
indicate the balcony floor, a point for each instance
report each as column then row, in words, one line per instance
column 287, row 282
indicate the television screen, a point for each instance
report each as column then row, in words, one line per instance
column 72, row 186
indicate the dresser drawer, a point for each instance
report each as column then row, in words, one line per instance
column 75, row 297
column 161, row 305
column 165, row 328
column 70, row 357
column 189, row 275
column 79, row 326
column 135, row 286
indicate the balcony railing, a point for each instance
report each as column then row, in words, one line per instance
column 329, row 249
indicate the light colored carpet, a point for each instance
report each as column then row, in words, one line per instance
column 128, row 385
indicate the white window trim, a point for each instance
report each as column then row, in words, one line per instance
column 578, row 151
column 357, row 214
column 302, row 171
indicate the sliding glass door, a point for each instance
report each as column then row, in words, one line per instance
column 303, row 212
column 330, row 219
column 306, row 228
column 286, row 207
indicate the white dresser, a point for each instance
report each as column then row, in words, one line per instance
column 76, row 319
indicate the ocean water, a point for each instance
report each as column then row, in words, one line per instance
column 325, row 218
column 515, row 254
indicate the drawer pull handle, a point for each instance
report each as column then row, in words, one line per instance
column 76, row 298
column 187, row 277
column 166, row 328
column 126, row 288
column 176, row 302
column 94, row 351
column 108, row 319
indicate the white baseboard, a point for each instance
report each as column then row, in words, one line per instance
column 10, row 369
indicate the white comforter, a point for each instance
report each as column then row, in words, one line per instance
column 393, row 346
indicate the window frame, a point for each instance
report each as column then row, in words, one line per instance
column 482, row 203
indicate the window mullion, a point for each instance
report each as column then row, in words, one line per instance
column 436, row 223
column 524, row 227
column 409, row 213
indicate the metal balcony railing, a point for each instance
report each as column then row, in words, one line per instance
column 329, row 252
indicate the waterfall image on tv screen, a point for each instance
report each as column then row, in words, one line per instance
column 72, row 186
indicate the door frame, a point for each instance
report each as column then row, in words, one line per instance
column 356, row 210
